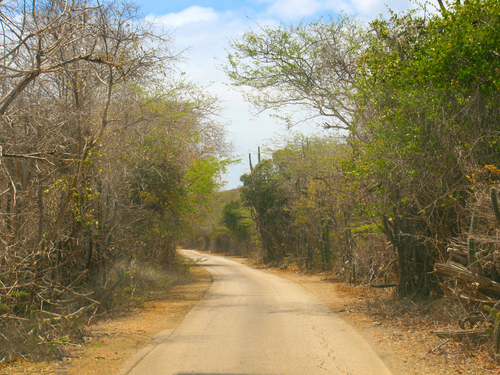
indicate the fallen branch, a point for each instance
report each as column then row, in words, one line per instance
column 384, row 285
column 460, row 272
column 439, row 345
column 465, row 333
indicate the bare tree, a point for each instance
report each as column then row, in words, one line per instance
column 63, row 68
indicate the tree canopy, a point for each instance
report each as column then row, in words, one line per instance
column 417, row 94
column 311, row 66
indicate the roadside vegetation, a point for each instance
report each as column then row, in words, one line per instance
column 403, row 191
column 107, row 162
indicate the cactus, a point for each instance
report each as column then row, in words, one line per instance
column 99, row 205
column 494, row 202
column 40, row 213
column 7, row 211
column 496, row 330
column 258, row 154
column 91, row 249
column 56, row 261
column 387, row 229
column 325, row 238
column 472, row 242
column 353, row 274
column 250, row 161
column 348, row 238
column 108, row 197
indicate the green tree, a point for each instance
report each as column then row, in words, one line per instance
column 171, row 170
column 311, row 66
column 263, row 193
column 238, row 221
column 430, row 92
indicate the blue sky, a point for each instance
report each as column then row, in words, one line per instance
column 205, row 26
column 163, row 7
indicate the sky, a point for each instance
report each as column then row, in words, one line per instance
column 204, row 28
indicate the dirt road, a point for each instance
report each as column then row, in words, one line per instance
column 252, row 322
column 404, row 342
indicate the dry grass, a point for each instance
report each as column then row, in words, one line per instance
column 418, row 318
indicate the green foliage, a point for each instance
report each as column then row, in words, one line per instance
column 203, row 179
column 309, row 66
column 264, row 194
column 495, row 314
column 418, row 92
column 175, row 173
column 429, row 88
column 238, row 220
column 262, row 190
column 221, row 240
column 19, row 293
column 303, row 208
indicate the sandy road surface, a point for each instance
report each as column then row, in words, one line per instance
column 251, row 322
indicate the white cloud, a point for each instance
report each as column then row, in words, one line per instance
column 298, row 9
column 292, row 9
column 193, row 14
column 373, row 8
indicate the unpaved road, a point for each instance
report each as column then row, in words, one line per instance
column 252, row 322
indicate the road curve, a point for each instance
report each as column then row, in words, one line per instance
column 254, row 323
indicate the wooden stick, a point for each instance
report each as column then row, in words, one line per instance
column 468, row 333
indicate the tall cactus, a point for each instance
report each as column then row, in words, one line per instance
column 40, row 213
column 472, row 241
column 7, row 211
column 494, row 202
